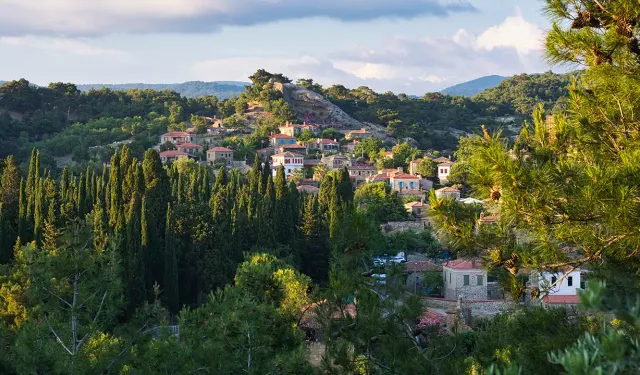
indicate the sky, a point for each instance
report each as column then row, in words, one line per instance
column 408, row 46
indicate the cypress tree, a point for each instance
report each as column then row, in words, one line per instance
column 88, row 185
column 23, row 224
column 38, row 213
column 150, row 243
column 171, row 287
column 136, row 284
column 115, row 208
column 344, row 185
column 255, row 177
column 100, row 226
column 9, row 208
column 51, row 200
column 64, row 183
column 81, row 197
column 314, row 254
column 266, row 174
column 283, row 216
column 32, row 179
column 156, row 199
column 221, row 179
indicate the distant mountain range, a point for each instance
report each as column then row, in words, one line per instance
column 191, row 89
column 475, row 86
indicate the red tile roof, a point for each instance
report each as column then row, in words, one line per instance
column 431, row 318
column 189, row 145
column 287, row 155
column 464, row 264
column 325, row 141
column 425, row 266
column 282, row 136
column 448, row 190
column 415, row 204
column 562, row 300
column 405, row 176
column 173, row 153
column 219, row 149
column 176, row 134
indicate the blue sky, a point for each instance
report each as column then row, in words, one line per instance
column 411, row 46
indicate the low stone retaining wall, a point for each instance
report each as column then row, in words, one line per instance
column 395, row 226
column 479, row 309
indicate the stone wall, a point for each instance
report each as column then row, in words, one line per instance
column 396, row 226
column 479, row 309
column 454, row 287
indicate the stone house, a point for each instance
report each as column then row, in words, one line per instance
column 220, row 155
column 189, row 148
column 295, row 130
column 417, row 209
column 416, row 274
column 335, row 161
column 324, row 145
column 288, row 160
column 278, row 140
column 172, row 155
column 465, row 278
column 360, row 133
column 175, row 137
column 266, row 152
column 359, row 173
column 448, row 192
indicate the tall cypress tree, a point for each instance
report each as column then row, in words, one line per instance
column 150, row 241
column 115, row 182
column 314, row 253
column 9, row 208
column 23, row 224
column 344, row 185
column 136, row 284
column 266, row 174
column 38, row 213
column 32, row 181
column 171, row 287
column 100, row 226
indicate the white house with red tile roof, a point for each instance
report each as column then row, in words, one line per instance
column 175, row 137
column 278, row 140
column 288, row 160
column 172, row 155
column 465, row 278
column 189, row 148
column 559, row 288
column 220, row 155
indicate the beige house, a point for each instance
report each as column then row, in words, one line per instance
column 220, row 155
column 448, row 192
column 465, row 278
column 175, row 137
column 404, row 181
column 172, row 155
column 335, row 161
column 360, row 173
column 417, row 209
column 324, row 145
column 189, row 148
column 360, row 133
column 295, row 130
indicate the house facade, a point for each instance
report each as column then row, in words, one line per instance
column 189, row 148
column 175, row 137
column 220, row 155
column 404, row 181
column 288, row 160
column 360, row 133
column 465, row 278
column 300, row 149
column 172, row 155
column 278, row 140
column 360, row 173
column 444, row 169
column 335, row 161
column 417, row 209
column 295, row 130
column 324, row 145
column 560, row 288
column 448, row 192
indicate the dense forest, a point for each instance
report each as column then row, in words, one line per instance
column 191, row 89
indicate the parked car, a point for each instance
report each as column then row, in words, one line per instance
column 379, row 278
column 400, row 258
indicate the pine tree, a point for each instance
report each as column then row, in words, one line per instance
column 171, row 286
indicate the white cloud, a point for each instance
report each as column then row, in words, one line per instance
column 99, row 17
column 515, row 32
column 60, row 45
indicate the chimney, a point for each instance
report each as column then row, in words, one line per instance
column 400, row 170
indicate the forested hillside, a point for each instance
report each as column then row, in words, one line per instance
column 191, row 89
column 474, row 87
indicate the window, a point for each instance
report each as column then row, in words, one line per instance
column 480, row 280
column 288, row 170
column 411, row 184
column 553, row 280
column 401, row 184
column 449, row 277
column 570, row 280
column 492, row 279
column 465, row 280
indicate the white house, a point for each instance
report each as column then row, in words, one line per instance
column 560, row 288
column 448, row 192
column 289, row 160
column 444, row 169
